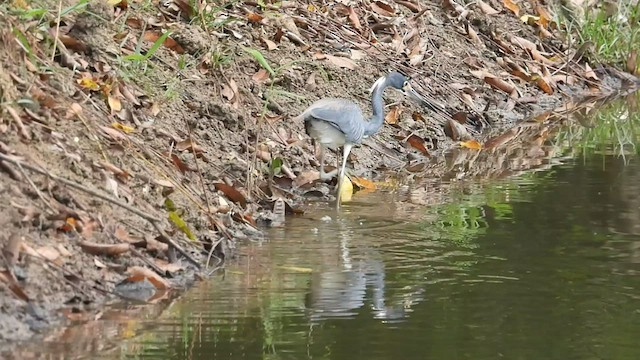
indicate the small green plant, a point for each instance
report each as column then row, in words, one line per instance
column 138, row 56
column 613, row 29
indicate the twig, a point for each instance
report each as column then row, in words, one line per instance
column 153, row 266
column 23, row 129
column 153, row 220
column 24, row 173
column 55, row 43
column 213, row 248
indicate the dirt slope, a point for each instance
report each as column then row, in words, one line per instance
column 88, row 99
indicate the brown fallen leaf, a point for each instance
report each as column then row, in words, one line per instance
column 179, row 164
column 392, row 116
column 486, row 8
column 167, row 266
column 254, row 18
column 542, row 83
column 501, row 139
column 589, row 73
column 139, row 273
column 103, row 249
column 188, row 145
column 353, row 19
column 153, row 35
column 363, row 183
column 233, row 194
column 509, row 4
column 306, row 177
column 270, row 44
column 382, row 8
column 113, row 133
column 72, row 43
column 48, row 252
column 417, row 143
column 341, row 62
column 502, row 85
column 261, row 76
column 409, row 5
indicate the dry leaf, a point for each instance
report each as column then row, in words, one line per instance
column 589, row 73
column 417, row 143
column 104, row 249
column 509, row 4
column 353, row 18
column 152, row 36
column 543, row 84
column 270, row 44
column 471, row 144
column 139, row 273
column 48, row 252
column 363, row 183
column 261, row 76
column 167, row 266
column 125, row 128
column 88, row 83
column 179, row 164
column 188, row 145
column 382, row 8
column 392, row 116
column 114, row 104
column 486, row 8
column 254, row 18
column 341, row 62
column 502, row 139
column 231, row 193
column 306, row 177
column 502, row 85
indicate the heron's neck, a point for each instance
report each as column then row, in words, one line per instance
column 377, row 119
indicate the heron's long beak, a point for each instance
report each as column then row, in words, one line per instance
column 410, row 92
column 431, row 104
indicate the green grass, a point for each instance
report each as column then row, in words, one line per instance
column 616, row 130
column 614, row 31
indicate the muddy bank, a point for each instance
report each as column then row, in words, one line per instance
column 133, row 160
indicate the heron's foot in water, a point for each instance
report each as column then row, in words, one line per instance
column 327, row 176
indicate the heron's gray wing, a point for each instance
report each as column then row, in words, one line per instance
column 341, row 113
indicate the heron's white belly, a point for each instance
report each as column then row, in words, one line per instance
column 327, row 134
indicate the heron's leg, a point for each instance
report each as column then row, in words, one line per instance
column 345, row 154
column 324, row 176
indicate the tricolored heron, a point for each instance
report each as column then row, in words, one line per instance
column 334, row 122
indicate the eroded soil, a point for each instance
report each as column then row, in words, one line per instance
column 199, row 121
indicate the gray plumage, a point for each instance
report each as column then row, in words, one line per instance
column 335, row 123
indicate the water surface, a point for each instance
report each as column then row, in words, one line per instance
column 543, row 266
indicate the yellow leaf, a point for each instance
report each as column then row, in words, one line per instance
column 114, row 103
column 89, row 83
column 509, row 4
column 529, row 19
column 124, row 128
column 363, row 183
column 311, row 8
column 346, row 192
column 471, row 144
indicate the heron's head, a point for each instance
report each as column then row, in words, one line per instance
column 401, row 83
